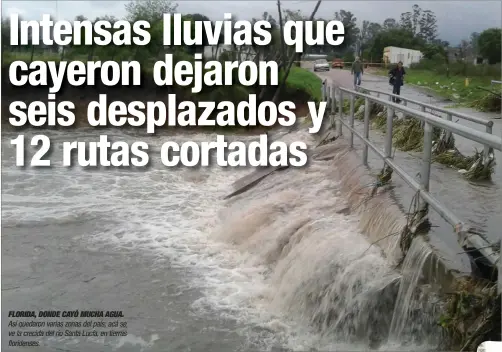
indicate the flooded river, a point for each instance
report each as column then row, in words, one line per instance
column 278, row 268
column 190, row 271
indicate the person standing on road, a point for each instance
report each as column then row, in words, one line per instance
column 357, row 71
column 397, row 80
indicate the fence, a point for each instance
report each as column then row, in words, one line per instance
column 449, row 114
column 465, row 238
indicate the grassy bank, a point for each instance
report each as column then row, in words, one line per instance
column 302, row 82
column 453, row 86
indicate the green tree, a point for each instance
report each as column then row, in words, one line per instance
column 6, row 34
column 420, row 22
column 351, row 30
column 474, row 42
column 268, row 51
column 112, row 52
column 368, row 32
column 149, row 10
column 290, row 15
column 399, row 37
column 91, row 50
column 435, row 51
column 205, row 42
column 389, row 23
column 489, row 45
column 80, row 49
column 428, row 25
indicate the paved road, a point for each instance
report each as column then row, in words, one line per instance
column 345, row 79
column 477, row 204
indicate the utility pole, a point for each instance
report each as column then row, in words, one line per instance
column 283, row 45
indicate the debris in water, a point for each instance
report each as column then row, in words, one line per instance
column 344, row 211
column 474, row 168
column 472, row 314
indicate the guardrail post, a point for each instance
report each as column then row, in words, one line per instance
column 448, row 133
column 422, row 109
column 367, row 107
column 340, row 109
column 333, row 100
column 487, row 148
column 427, row 156
column 388, row 134
column 351, row 119
column 333, row 106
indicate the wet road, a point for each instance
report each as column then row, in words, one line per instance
column 478, row 204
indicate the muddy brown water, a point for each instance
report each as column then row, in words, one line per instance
column 193, row 272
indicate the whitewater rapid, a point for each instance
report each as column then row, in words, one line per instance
column 283, row 260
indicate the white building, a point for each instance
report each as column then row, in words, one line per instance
column 392, row 55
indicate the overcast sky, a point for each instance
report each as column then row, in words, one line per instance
column 456, row 19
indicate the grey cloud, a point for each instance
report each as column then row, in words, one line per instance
column 456, row 19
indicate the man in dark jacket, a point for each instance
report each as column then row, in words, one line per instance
column 357, row 71
column 397, row 80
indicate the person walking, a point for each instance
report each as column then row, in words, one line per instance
column 357, row 71
column 396, row 80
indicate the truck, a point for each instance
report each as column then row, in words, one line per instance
column 392, row 55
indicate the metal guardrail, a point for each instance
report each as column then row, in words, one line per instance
column 449, row 114
column 460, row 228
column 494, row 81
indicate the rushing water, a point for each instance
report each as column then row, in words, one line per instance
column 281, row 266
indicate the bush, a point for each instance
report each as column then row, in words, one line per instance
column 349, row 57
column 303, row 84
column 458, row 68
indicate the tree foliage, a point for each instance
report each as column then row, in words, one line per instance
column 149, row 10
column 390, row 23
column 422, row 23
column 489, row 44
column 367, row 34
column 350, row 25
column 414, row 29
column 400, row 37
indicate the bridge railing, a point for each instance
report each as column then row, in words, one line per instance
column 465, row 238
column 449, row 114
